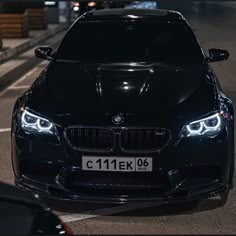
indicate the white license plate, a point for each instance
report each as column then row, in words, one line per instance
column 126, row 164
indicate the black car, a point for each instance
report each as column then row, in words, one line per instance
column 128, row 110
column 22, row 213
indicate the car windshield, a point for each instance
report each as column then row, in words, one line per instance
column 122, row 41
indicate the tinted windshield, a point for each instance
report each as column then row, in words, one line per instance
column 137, row 41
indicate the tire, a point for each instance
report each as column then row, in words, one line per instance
column 231, row 174
column 224, row 198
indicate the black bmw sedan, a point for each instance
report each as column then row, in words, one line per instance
column 128, row 110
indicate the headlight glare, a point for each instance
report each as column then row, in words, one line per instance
column 33, row 123
column 208, row 126
column 195, row 128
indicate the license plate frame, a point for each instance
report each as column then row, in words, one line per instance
column 117, row 163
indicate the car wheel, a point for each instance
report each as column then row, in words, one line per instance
column 231, row 174
column 224, row 198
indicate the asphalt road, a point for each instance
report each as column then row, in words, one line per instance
column 215, row 26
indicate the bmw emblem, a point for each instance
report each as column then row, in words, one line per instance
column 118, row 119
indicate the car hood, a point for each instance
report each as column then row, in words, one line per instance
column 98, row 90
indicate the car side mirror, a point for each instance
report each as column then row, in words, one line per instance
column 217, row 55
column 44, row 52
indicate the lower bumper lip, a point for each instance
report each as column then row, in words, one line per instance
column 60, row 193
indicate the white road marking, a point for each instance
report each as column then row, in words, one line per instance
column 24, row 77
column 19, row 87
column 5, row 130
column 105, row 211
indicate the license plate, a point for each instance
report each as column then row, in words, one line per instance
column 125, row 164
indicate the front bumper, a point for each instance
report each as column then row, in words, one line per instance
column 194, row 169
column 179, row 194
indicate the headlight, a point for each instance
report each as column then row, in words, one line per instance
column 208, row 126
column 34, row 123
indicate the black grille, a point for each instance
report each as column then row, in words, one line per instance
column 131, row 140
column 144, row 140
column 90, row 138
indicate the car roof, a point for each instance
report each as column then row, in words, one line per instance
column 130, row 13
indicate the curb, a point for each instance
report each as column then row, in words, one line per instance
column 8, row 54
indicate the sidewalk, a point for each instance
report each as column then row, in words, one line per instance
column 17, row 55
